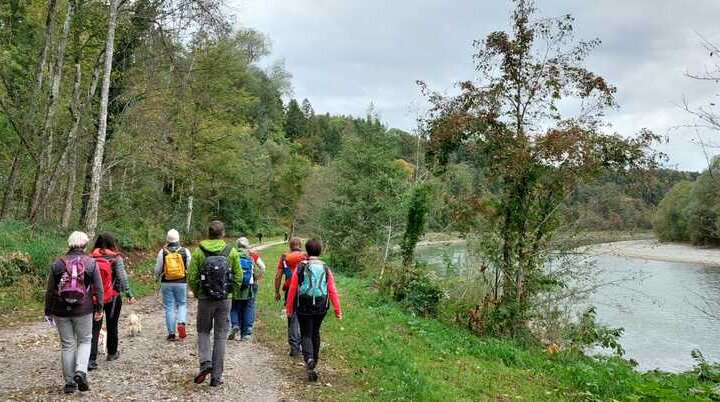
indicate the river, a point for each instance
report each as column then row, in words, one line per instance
column 656, row 306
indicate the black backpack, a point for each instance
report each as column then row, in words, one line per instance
column 216, row 277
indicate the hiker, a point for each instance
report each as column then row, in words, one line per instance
column 285, row 237
column 312, row 288
column 214, row 268
column 286, row 268
column 242, row 313
column 73, row 298
column 260, row 237
column 171, row 269
column 111, row 267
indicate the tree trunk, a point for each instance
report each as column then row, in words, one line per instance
column 42, row 182
column 11, row 183
column 72, row 146
column 188, row 220
column 96, row 180
column 47, row 39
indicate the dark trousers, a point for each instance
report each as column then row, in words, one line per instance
column 293, row 331
column 112, row 318
column 310, row 333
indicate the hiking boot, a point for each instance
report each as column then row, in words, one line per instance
column 70, row 388
column 233, row 333
column 294, row 353
column 171, row 337
column 246, row 338
column 214, row 382
column 312, row 376
column 205, row 370
column 181, row 330
column 81, row 380
column 92, row 365
column 310, row 364
column 113, row 356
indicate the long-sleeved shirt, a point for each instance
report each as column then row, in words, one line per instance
column 198, row 258
column 259, row 268
column 332, row 293
column 120, row 280
column 56, row 305
column 160, row 263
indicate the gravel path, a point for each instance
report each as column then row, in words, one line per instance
column 149, row 369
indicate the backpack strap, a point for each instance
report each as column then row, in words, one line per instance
column 226, row 252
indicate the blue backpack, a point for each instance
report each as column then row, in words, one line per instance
column 312, row 289
column 246, row 264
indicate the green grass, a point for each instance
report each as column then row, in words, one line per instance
column 379, row 352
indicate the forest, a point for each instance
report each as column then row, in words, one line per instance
column 136, row 116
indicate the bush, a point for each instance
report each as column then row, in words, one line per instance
column 416, row 289
column 587, row 333
column 24, row 250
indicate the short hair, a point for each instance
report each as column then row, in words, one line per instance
column 295, row 244
column 216, row 230
column 106, row 241
column 313, row 247
column 243, row 242
column 78, row 240
column 173, row 236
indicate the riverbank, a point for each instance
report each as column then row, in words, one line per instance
column 657, row 251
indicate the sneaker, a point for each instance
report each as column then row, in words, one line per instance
column 205, row 370
column 181, row 330
column 233, row 333
column 92, row 365
column 171, row 337
column 246, row 338
column 113, row 356
column 81, row 380
column 216, row 382
column 70, row 388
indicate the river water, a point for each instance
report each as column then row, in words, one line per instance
column 656, row 304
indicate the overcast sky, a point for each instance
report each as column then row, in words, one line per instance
column 345, row 54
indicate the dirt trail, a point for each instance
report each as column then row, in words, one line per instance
column 149, row 368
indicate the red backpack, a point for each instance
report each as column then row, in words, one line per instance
column 104, row 265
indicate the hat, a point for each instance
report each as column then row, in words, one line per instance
column 173, row 236
column 78, row 240
column 243, row 242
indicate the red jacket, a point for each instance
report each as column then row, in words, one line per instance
column 332, row 293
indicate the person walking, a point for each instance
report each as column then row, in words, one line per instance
column 312, row 288
column 111, row 267
column 73, row 298
column 242, row 313
column 286, row 268
column 214, row 270
column 171, row 269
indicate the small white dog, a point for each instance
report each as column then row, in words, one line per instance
column 102, row 341
column 135, row 326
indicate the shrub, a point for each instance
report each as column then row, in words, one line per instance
column 587, row 333
column 416, row 289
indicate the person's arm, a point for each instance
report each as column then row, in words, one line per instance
column 188, row 258
column 278, row 278
column 260, row 268
column 292, row 291
column 332, row 292
column 193, row 275
column 98, row 286
column 159, row 264
column 120, row 273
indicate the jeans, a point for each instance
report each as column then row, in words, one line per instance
column 75, row 338
column 212, row 315
column 112, row 318
column 174, row 296
column 293, row 331
column 242, row 314
column 310, row 332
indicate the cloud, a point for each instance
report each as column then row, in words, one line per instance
column 346, row 54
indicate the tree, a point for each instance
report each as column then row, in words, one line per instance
column 531, row 170
column 295, row 121
column 673, row 214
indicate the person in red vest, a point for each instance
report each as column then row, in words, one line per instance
column 286, row 268
column 114, row 278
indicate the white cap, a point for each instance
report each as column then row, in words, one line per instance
column 173, row 236
column 243, row 242
column 78, row 240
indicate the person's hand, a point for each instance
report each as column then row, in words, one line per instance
column 98, row 316
column 277, row 296
column 338, row 316
column 132, row 300
column 50, row 320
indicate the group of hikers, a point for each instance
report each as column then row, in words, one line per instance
column 83, row 289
